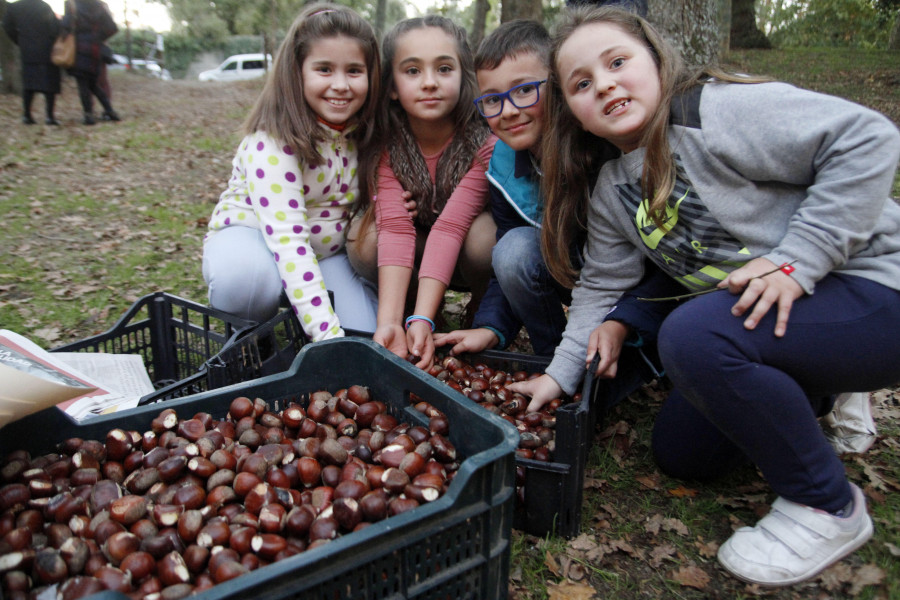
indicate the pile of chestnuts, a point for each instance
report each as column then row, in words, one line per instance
column 193, row 502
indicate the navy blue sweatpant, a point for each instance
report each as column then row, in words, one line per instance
column 747, row 395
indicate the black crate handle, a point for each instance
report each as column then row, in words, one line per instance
column 599, row 406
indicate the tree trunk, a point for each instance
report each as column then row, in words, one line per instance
column 691, row 25
column 521, row 9
column 744, row 31
column 894, row 39
column 9, row 60
column 380, row 16
column 482, row 8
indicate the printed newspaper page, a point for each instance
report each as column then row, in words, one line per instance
column 32, row 379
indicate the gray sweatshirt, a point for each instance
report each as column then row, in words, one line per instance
column 764, row 170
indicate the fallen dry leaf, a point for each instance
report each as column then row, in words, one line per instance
column 675, row 525
column 683, row 492
column 691, row 576
column 661, row 553
column 865, row 576
column 569, row 590
column 551, row 563
column 651, row 482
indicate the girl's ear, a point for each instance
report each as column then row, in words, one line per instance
column 394, row 95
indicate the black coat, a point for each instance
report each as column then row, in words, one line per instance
column 93, row 25
column 33, row 26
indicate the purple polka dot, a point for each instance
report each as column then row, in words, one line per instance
column 345, row 214
column 293, row 203
column 338, row 227
column 288, row 150
column 284, row 284
column 263, row 201
column 325, row 213
column 290, row 176
column 327, row 189
column 346, row 162
column 301, row 250
column 344, row 188
column 316, row 229
column 305, row 189
column 316, row 301
column 298, row 228
column 228, row 221
column 260, row 145
column 277, row 258
column 313, row 166
column 308, row 276
column 260, row 173
column 248, row 201
column 269, row 229
column 296, row 312
column 329, row 163
column 335, row 203
column 323, row 327
column 335, row 247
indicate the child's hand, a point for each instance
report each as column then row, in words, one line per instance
column 761, row 284
column 411, row 206
column 467, row 340
column 542, row 390
column 607, row 340
column 392, row 337
column 420, row 343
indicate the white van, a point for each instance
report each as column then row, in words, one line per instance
column 238, row 68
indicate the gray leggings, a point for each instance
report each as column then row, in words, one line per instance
column 243, row 280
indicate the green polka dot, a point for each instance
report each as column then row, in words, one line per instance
column 280, row 215
column 351, row 196
column 321, row 177
column 332, row 198
column 326, row 239
column 351, row 147
column 242, row 216
column 276, row 188
column 353, row 171
column 249, row 158
column 252, row 186
column 290, row 267
column 323, row 285
column 284, row 239
column 273, row 160
column 307, row 319
column 298, row 294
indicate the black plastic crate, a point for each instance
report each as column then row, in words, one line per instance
column 267, row 349
column 175, row 337
column 456, row 547
column 554, row 491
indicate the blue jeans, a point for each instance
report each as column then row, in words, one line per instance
column 536, row 298
column 746, row 395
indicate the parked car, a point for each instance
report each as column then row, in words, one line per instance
column 238, row 67
column 150, row 67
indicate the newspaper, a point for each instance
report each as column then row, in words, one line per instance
column 80, row 383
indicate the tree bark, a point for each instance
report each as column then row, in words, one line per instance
column 521, row 9
column 9, row 60
column 482, row 8
column 380, row 16
column 744, row 31
column 692, row 26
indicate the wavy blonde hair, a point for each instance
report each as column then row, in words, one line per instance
column 572, row 157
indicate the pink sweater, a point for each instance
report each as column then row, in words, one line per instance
column 397, row 234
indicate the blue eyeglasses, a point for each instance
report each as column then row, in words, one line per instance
column 521, row 96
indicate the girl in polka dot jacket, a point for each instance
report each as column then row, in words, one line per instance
column 281, row 225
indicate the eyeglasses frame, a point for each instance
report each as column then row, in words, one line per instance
column 505, row 96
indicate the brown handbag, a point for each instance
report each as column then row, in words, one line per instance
column 63, row 53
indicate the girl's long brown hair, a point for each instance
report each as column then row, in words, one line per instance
column 572, row 157
column 281, row 110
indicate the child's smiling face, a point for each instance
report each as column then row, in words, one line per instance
column 519, row 128
column 427, row 74
column 335, row 78
column 610, row 82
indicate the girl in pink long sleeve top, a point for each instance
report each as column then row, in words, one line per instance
column 437, row 150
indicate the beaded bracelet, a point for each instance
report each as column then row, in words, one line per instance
column 412, row 318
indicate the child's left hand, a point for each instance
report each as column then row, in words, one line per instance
column 762, row 284
column 420, row 343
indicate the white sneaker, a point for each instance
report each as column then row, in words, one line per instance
column 794, row 542
column 849, row 427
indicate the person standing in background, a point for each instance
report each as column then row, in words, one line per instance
column 33, row 26
column 93, row 24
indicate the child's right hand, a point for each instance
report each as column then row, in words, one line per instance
column 542, row 390
column 607, row 340
column 467, row 340
column 392, row 337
